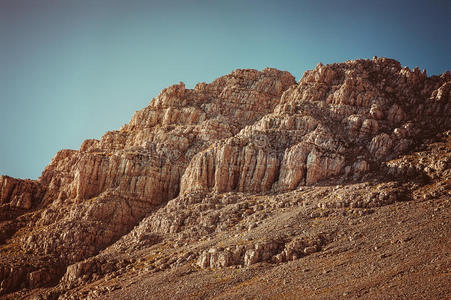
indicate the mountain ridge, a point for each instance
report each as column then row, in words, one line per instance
column 187, row 166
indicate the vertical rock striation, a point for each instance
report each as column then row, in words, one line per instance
column 249, row 131
column 339, row 120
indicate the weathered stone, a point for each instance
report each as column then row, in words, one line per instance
column 251, row 132
column 20, row 193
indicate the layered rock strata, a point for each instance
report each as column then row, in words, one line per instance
column 339, row 120
column 249, row 132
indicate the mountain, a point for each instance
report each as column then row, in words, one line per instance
column 254, row 185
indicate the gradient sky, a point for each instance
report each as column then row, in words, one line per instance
column 71, row 70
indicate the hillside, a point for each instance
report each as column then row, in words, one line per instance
column 251, row 186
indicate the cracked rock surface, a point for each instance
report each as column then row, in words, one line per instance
column 334, row 186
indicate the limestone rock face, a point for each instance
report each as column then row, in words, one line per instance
column 146, row 158
column 19, row 193
column 90, row 197
column 337, row 121
column 246, row 133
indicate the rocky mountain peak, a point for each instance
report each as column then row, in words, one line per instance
column 247, row 134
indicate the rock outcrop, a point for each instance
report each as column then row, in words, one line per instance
column 20, row 193
column 200, row 162
column 145, row 159
column 338, row 120
column 263, row 251
column 91, row 197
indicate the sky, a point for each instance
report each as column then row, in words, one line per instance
column 72, row 70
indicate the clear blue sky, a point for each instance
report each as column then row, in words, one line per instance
column 71, row 70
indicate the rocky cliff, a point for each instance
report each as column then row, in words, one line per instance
column 228, row 154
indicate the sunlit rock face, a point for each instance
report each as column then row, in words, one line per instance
column 250, row 132
column 338, row 120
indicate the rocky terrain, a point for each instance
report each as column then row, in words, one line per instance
column 251, row 186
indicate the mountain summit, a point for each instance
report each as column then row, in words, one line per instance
column 253, row 185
